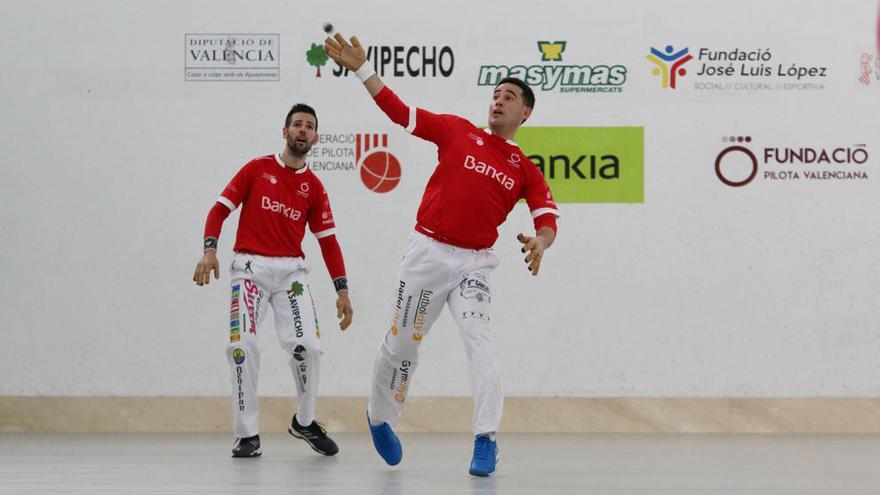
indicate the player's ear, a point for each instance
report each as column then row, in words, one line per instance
column 526, row 113
column 284, row 133
column 315, row 140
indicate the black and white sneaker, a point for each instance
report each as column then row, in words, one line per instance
column 314, row 435
column 246, row 447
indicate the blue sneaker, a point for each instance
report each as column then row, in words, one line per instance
column 386, row 442
column 485, row 456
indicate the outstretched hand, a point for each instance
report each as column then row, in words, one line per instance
column 349, row 55
column 535, row 247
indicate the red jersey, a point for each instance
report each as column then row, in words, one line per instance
column 277, row 202
column 477, row 182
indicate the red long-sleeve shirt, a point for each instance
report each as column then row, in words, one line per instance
column 477, row 182
column 277, row 203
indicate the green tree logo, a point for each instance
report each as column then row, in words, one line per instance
column 317, row 57
column 296, row 288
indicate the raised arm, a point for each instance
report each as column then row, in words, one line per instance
column 352, row 56
column 417, row 121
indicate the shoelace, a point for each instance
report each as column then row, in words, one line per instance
column 386, row 440
column 483, row 449
column 312, row 434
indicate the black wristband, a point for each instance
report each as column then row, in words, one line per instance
column 210, row 243
column 340, row 283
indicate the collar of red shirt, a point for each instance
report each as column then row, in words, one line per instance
column 508, row 141
column 297, row 171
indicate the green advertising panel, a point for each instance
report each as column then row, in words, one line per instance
column 589, row 164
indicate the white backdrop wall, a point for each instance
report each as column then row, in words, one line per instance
column 111, row 160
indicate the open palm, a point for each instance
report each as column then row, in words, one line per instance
column 350, row 55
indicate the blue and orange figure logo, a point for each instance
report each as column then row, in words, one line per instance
column 669, row 64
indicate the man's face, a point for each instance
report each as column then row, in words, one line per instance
column 301, row 134
column 507, row 107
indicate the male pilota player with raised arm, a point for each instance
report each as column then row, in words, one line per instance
column 480, row 176
column 280, row 196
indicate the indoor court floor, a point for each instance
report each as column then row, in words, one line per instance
column 199, row 463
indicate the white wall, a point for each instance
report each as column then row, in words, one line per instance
column 111, row 161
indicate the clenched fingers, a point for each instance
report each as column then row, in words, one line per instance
column 344, row 311
column 346, row 321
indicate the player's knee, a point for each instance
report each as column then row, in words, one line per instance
column 304, row 348
column 480, row 347
column 399, row 347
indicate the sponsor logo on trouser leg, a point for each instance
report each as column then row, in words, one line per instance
column 421, row 314
column 402, row 380
column 238, row 358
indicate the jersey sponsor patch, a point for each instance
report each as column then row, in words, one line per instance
column 278, row 207
column 499, row 176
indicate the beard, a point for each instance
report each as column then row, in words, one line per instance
column 298, row 149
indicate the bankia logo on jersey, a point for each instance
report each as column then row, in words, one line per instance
column 735, row 69
column 368, row 154
column 588, row 164
column 558, row 68
column 413, row 61
column 744, row 160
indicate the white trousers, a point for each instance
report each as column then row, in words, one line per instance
column 432, row 274
column 258, row 282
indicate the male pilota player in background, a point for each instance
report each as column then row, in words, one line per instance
column 480, row 176
column 279, row 195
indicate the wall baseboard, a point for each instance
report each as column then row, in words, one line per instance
column 452, row 414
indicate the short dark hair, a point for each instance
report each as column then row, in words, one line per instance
column 301, row 108
column 527, row 93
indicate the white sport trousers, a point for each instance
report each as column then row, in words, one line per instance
column 258, row 282
column 433, row 274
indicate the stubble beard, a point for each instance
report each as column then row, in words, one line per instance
column 296, row 149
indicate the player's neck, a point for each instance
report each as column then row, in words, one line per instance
column 291, row 160
column 504, row 132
